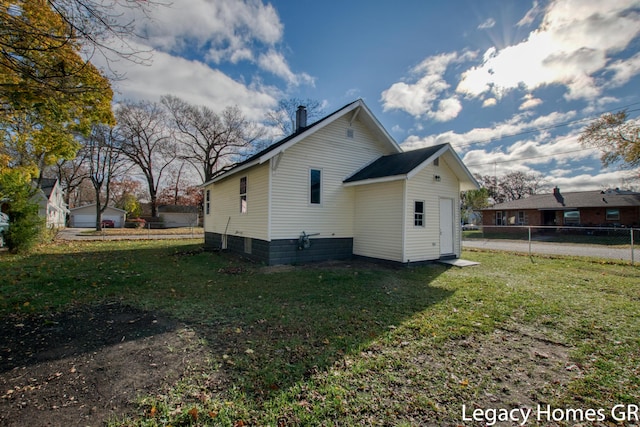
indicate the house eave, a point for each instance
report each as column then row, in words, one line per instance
column 376, row 180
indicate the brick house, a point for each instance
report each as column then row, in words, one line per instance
column 610, row 208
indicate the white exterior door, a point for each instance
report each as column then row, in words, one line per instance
column 446, row 226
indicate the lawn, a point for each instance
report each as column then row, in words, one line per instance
column 354, row 343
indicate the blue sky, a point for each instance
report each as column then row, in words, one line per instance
column 509, row 84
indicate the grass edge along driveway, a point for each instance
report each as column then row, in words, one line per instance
column 346, row 344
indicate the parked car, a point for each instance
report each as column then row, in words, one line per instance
column 108, row 223
column 466, row 227
column 4, row 226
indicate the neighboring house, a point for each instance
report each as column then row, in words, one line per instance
column 52, row 206
column 582, row 208
column 85, row 216
column 338, row 188
column 178, row 216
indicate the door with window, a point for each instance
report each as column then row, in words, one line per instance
column 446, row 226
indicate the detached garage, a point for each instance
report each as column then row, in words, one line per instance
column 85, row 216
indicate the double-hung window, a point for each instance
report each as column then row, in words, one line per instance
column 243, row 195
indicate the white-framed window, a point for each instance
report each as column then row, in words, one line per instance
column 418, row 213
column 501, row 218
column 207, row 202
column 243, row 195
column 315, row 186
column 613, row 215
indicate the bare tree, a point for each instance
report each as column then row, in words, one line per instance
column 71, row 174
column 512, row 186
column 102, row 155
column 617, row 136
column 146, row 140
column 283, row 117
column 210, row 142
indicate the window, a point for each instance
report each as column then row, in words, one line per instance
column 243, row 195
column 418, row 213
column 315, row 186
column 436, row 161
column 501, row 218
column 572, row 217
column 207, row 204
column 613, row 214
column 521, row 218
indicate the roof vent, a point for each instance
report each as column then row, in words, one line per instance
column 301, row 118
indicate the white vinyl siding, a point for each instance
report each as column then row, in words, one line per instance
column 225, row 201
column 337, row 156
column 378, row 220
column 423, row 243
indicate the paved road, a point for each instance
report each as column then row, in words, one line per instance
column 549, row 248
column 77, row 234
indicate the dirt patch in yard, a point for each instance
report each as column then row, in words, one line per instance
column 88, row 365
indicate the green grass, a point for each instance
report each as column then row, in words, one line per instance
column 355, row 345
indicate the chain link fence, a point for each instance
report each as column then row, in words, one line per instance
column 599, row 242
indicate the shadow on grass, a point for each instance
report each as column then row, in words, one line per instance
column 266, row 330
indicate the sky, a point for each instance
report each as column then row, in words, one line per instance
column 509, row 84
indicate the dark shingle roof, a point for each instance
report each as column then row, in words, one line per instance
column 394, row 164
column 572, row 200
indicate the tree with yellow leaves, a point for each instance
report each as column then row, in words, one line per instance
column 49, row 94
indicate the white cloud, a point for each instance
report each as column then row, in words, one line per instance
column 481, row 136
column 220, row 31
column 195, row 82
column 531, row 155
column 530, row 102
column 489, row 23
column 421, row 99
column 531, row 15
column 623, row 70
column 489, row 102
column 275, row 63
column 573, row 43
column 223, row 26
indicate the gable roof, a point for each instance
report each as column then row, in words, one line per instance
column 399, row 164
column 359, row 109
column 407, row 164
column 572, row 200
column 47, row 185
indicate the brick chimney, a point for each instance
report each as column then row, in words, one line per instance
column 556, row 191
column 301, row 118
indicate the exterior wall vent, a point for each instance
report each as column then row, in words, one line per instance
column 350, row 133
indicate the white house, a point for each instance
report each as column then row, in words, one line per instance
column 85, row 216
column 337, row 188
column 52, row 206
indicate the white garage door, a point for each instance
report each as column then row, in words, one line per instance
column 88, row 221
